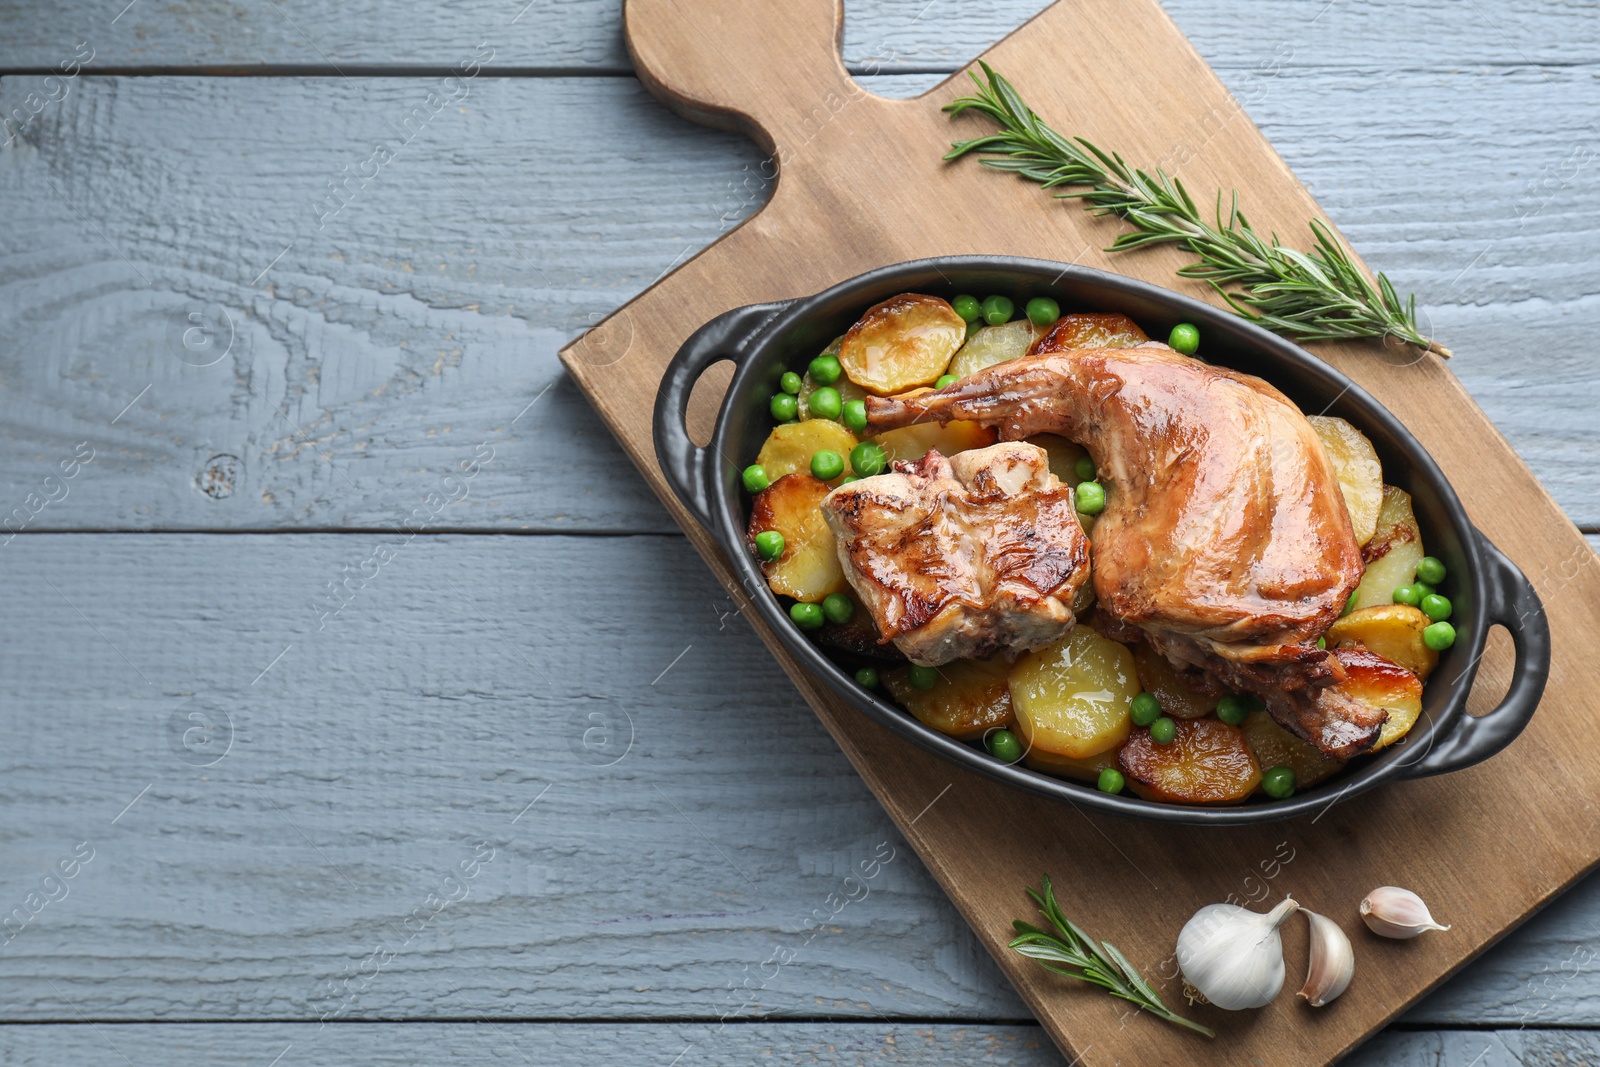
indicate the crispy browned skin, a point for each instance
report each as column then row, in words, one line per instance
column 958, row 558
column 1225, row 538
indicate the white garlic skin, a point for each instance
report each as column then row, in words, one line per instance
column 1333, row 961
column 1234, row 956
column 1390, row 911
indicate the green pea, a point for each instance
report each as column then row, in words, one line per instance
column 1091, row 497
column 997, row 310
column 1003, row 746
column 825, row 369
column 974, row 327
column 827, row 464
column 1278, row 782
column 1322, row 642
column 784, row 407
column 1439, row 636
column 967, row 307
column 1430, row 570
column 1110, row 781
column 1350, row 603
column 944, row 380
column 1407, row 595
column 867, row 677
column 848, row 478
column 838, row 608
column 755, row 478
column 1423, row 590
column 1042, row 311
column 1083, row 467
column 1145, row 709
column 1184, row 338
column 1163, row 731
column 769, row 545
column 790, row 382
column 854, row 415
column 806, row 616
column 825, row 403
column 1232, row 710
column 1436, row 607
column 867, row 459
column 923, row 678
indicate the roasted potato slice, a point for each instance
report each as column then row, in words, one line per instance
column 1383, row 684
column 995, row 344
column 904, row 342
column 1393, row 553
column 1355, row 464
column 1071, row 698
column 1091, row 330
column 1160, row 678
column 809, row 567
column 788, row 449
column 914, row 442
column 1063, row 454
column 1207, row 762
column 1273, row 746
column 1393, row 631
column 970, row 697
column 1083, row 770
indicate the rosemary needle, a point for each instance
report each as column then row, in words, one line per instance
column 1072, row 952
column 1316, row 296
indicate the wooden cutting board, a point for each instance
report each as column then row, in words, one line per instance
column 860, row 184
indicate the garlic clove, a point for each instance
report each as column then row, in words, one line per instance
column 1333, row 961
column 1234, row 956
column 1390, row 911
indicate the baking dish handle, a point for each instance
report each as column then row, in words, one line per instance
column 1514, row 604
column 685, row 464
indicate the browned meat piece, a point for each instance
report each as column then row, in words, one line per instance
column 959, row 558
column 1225, row 537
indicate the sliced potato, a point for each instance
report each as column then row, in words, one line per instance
column 1393, row 631
column 904, row 342
column 848, row 391
column 1091, row 330
column 1207, row 762
column 1355, row 464
column 1375, row 680
column 788, row 449
column 995, row 344
column 1393, row 553
column 1071, row 698
column 914, row 442
column 1084, row 770
column 1063, row 455
column 1159, row 677
column 809, row 567
column 1273, row 746
column 970, row 697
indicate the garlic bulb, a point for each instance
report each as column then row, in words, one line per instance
column 1390, row 911
column 1233, row 955
column 1333, row 961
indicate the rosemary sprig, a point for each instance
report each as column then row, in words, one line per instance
column 1072, row 952
column 1317, row 295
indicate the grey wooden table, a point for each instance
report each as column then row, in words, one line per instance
column 361, row 704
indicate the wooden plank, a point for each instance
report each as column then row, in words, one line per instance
column 418, row 718
column 581, row 35
column 375, row 354
column 894, row 206
column 180, row 1044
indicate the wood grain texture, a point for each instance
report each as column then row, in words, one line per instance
column 581, row 35
column 419, row 719
column 180, row 1045
column 425, row 315
column 896, row 206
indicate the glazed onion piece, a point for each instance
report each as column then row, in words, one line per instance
column 902, row 343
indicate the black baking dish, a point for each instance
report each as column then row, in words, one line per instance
column 764, row 340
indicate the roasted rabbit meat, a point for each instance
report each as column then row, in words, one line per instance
column 958, row 558
column 1225, row 539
